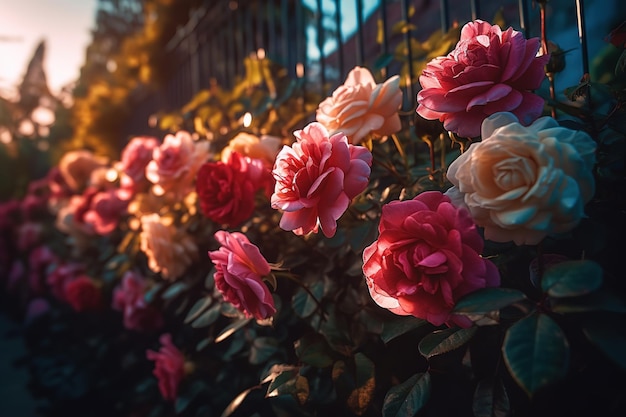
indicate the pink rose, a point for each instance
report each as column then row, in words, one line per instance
column 226, row 190
column 135, row 157
column 524, row 183
column 39, row 260
column 316, row 178
column 169, row 367
column 360, row 107
column 169, row 250
column 128, row 298
column 105, row 210
column 427, row 256
column 28, row 235
column 240, row 269
column 175, row 163
column 61, row 276
column 488, row 71
column 83, row 294
column 36, row 307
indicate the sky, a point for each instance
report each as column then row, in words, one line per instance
column 65, row 26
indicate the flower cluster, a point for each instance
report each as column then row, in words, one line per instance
column 312, row 260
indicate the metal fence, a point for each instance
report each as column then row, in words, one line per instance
column 309, row 38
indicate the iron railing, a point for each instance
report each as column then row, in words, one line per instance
column 311, row 35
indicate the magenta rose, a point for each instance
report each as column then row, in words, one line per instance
column 240, row 269
column 135, row 157
column 105, row 210
column 83, row 294
column 129, row 298
column 39, row 260
column 487, row 72
column 226, row 190
column 427, row 256
column 316, row 178
column 169, row 367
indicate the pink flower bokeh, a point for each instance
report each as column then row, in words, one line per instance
column 169, row 367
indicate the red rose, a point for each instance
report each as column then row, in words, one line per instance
column 83, row 294
column 169, row 367
column 240, row 268
column 226, row 190
column 62, row 275
column 427, row 256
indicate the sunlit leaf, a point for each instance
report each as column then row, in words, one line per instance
column 236, row 402
column 230, row 329
column 408, row 398
column 536, row 352
column 443, row 341
column 572, row 278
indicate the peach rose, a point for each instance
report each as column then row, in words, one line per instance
column 169, row 251
column 175, row 163
column 523, row 183
column 360, row 107
column 488, row 71
column 316, row 178
column 262, row 147
column 135, row 156
column 76, row 168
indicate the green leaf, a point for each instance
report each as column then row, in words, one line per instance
column 198, row 308
column 609, row 337
column 536, row 352
column 599, row 300
column 303, row 304
column 407, row 398
column 443, row 341
column 491, row 399
column 236, row 402
column 207, row 318
column 399, row 326
column 572, row 278
column 362, row 395
column 174, row 290
column 313, row 350
column 262, row 349
column 486, row 300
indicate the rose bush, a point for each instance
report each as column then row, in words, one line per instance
column 316, row 178
column 427, row 256
column 360, row 107
column 524, row 183
column 487, row 72
column 128, row 297
column 240, row 269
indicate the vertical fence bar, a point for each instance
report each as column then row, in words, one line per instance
column 409, row 54
column 299, row 27
column 260, row 27
column 231, row 27
column 523, row 17
column 339, row 37
column 238, row 34
column 360, row 47
column 284, row 32
column 385, row 44
column 582, row 35
column 445, row 15
column 320, row 45
column 475, row 9
column 271, row 32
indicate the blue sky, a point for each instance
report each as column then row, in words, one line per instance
column 65, row 24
